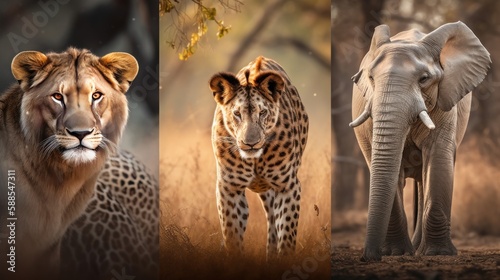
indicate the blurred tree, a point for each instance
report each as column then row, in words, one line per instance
column 110, row 18
column 352, row 28
column 483, row 124
column 276, row 9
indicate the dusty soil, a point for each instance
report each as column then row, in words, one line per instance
column 478, row 258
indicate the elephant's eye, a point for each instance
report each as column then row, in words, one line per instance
column 424, row 78
column 372, row 81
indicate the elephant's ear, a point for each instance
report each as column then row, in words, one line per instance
column 381, row 36
column 463, row 58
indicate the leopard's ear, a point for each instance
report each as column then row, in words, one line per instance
column 223, row 86
column 271, row 85
column 123, row 66
column 26, row 68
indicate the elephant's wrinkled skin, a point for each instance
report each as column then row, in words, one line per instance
column 411, row 107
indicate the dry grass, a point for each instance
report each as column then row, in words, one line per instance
column 476, row 193
column 190, row 233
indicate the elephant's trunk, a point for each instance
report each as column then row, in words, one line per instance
column 392, row 118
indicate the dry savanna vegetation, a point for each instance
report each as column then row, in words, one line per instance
column 191, row 239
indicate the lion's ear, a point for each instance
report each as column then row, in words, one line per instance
column 25, row 67
column 123, row 66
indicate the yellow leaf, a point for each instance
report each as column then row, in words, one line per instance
column 223, row 30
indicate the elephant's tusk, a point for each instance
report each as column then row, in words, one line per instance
column 426, row 120
column 361, row 119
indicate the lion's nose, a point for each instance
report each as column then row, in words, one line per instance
column 80, row 134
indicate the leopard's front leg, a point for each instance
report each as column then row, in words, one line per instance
column 233, row 215
column 267, row 199
column 286, row 211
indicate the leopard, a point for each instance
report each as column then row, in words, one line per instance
column 59, row 125
column 117, row 235
column 259, row 134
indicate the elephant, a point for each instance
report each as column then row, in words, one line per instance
column 411, row 107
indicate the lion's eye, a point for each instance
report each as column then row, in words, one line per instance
column 57, row 97
column 96, row 95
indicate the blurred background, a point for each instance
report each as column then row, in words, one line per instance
column 102, row 26
column 297, row 35
column 475, row 208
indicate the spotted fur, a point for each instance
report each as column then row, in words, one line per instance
column 119, row 229
column 259, row 134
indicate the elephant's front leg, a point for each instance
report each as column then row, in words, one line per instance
column 438, row 191
column 286, row 214
column 233, row 215
column 397, row 241
column 417, row 234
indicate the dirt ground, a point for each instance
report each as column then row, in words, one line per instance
column 478, row 258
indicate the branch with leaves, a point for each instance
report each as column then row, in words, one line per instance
column 204, row 14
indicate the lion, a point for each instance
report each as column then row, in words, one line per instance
column 58, row 126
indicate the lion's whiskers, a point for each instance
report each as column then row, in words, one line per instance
column 48, row 145
column 108, row 145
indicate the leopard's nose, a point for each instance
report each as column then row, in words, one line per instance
column 252, row 136
column 250, row 144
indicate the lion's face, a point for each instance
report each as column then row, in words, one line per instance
column 73, row 103
column 250, row 112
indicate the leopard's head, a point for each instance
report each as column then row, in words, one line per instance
column 250, row 110
column 73, row 105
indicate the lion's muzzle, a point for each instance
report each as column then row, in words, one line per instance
column 79, row 145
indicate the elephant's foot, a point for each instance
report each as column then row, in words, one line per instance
column 437, row 248
column 370, row 254
column 397, row 247
column 416, row 239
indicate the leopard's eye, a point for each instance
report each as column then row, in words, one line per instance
column 237, row 113
column 97, row 95
column 264, row 113
column 58, row 98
